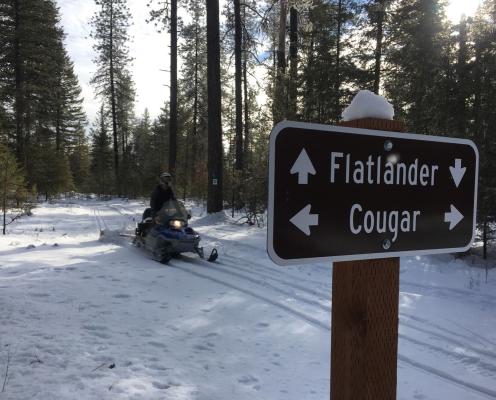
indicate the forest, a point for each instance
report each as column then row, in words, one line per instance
column 236, row 69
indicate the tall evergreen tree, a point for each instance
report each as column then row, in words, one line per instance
column 167, row 15
column 102, row 173
column 112, row 80
column 329, row 72
column 416, row 46
column 38, row 90
column 12, row 186
column 484, row 117
column 193, row 102
column 238, row 38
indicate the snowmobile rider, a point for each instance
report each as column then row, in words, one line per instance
column 163, row 193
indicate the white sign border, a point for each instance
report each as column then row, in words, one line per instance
column 357, row 131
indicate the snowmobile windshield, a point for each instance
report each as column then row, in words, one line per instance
column 171, row 210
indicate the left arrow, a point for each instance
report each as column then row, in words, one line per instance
column 303, row 166
column 304, row 220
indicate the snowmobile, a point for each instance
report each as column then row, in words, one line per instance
column 168, row 235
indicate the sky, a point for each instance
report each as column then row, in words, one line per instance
column 456, row 8
column 149, row 48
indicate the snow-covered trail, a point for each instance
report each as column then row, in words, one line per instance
column 72, row 307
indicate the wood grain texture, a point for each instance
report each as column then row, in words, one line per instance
column 364, row 331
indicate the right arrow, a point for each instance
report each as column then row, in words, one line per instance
column 303, row 166
column 453, row 217
column 457, row 171
column 303, row 220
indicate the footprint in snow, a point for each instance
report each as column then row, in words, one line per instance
column 158, row 344
column 211, row 334
column 157, row 367
column 161, row 386
column 201, row 347
column 100, row 335
column 95, row 327
column 122, row 296
column 249, row 380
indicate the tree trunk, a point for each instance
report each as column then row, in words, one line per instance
column 173, row 91
column 378, row 44
column 215, row 151
column 237, row 89
column 293, row 57
column 280, row 105
column 484, row 240
column 308, row 98
column 337, row 82
column 58, row 133
column 246, row 142
column 113, row 102
column 195, row 116
column 281, row 50
column 19, row 87
column 4, row 203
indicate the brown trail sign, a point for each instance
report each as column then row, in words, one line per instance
column 341, row 193
column 344, row 193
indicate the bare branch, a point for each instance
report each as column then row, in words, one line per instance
column 6, row 378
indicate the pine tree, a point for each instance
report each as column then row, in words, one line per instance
column 102, row 165
column 416, row 47
column 13, row 192
column 70, row 119
column 112, row 80
column 462, row 81
column 38, row 90
column 193, row 102
column 166, row 16
column 80, row 162
column 327, row 64
column 144, row 151
column 484, row 117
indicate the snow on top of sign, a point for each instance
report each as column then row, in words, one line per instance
column 368, row 105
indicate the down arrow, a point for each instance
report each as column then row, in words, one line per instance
column 457, row 171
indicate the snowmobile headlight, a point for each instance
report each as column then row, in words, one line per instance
column 176, row 224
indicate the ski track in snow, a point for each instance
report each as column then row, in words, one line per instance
column 306, row 298
column 482, row 367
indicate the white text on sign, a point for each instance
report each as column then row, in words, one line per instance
column 376, row 170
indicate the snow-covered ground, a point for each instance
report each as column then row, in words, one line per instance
column 87, row 319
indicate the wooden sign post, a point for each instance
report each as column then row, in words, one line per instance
column 364, row 332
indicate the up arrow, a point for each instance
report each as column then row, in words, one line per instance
column 303, row 220
column 303, row 166
column 453, row 217
column 457, row 171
